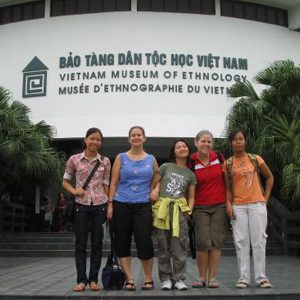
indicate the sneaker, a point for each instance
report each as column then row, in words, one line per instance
column 180, row 285
column 265, row 284
column 241, row 285
column 166, row 285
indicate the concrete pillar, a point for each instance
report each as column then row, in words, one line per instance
column 294, row 18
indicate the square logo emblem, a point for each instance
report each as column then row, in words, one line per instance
column 35, row 79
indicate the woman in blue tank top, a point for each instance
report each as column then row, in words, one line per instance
column 130, row 206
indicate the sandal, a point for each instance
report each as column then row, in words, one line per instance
column 94, row 286
column 241, row 285
column 199, row 284
column 129, row 286
column 214, row 284
column 80, row 287
column 148, row 285
column 265, row 284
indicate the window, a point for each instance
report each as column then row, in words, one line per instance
column 282, row 18
column 171, row 5
column 227, row 9
column 39, row 10
column 256, row 12
column 178, row 6
column 95, row 5
column 183, row 6
column 238, row 10
column 272, row 16
column 71, row 7
column 208, row 7
column 83, row 6
column 6, row 15
column 250, row 11
column 16, row 14
column 261, row 14
column 22, row 12
column 27, row 11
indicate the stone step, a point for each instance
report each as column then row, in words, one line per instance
column 62, row 245
column 105, row 252
column 70, row 253
column 30, row 239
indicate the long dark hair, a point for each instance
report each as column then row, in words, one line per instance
column 91, row 131
column 172, row 156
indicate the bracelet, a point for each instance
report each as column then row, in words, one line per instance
column 110, row 201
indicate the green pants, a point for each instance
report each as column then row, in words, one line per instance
column 170, row 247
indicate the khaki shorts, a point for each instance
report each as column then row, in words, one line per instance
column 210, row 226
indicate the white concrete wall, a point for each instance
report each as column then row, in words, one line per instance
column 161, row 113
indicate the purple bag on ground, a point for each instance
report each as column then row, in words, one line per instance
column 113, row 278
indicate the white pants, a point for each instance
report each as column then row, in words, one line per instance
column 249, row 226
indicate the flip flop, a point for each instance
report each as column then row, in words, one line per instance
column 148, row 285
column 199, row 284
column 129, row 286
column 213, row 284
column 94, row 286
column 241, row 285
column 265, row 284
column 80, row 287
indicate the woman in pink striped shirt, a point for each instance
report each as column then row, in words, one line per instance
column 90, row 206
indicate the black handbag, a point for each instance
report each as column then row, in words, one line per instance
column 70, row 210
column 113, row 278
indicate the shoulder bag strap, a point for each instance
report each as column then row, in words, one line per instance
column 192, row 164
column 112, row 237
column 112, row 244
column 257, row 169
column 220, row 157
column 91, row 175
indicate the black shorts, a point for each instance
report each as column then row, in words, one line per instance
column 134, row 218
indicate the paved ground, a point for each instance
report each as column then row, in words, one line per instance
column 53, row 278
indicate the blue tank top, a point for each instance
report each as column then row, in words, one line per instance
column 135, row 179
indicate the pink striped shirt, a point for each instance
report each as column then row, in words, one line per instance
column 78, row 165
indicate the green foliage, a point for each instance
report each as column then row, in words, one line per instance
column 25, row 150
column 272, row 123
column 291, row 182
